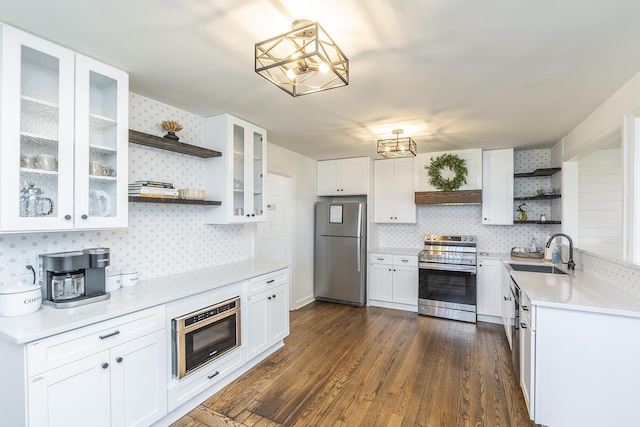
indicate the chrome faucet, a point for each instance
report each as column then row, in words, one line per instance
column 570, row 264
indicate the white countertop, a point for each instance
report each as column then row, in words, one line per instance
column 578, row 291
column 147, row 293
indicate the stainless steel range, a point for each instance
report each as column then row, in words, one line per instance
column 448, row 267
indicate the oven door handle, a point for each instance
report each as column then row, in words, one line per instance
column 448, row 267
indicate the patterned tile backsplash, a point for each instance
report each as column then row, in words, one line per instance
column 161, row 239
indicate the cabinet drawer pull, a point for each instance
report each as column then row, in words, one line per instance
column 525, row 308
column 102, row 337
column 213, row 375
column 380, row 259
column 523, row 326
column 271, row 281
column 405, row 260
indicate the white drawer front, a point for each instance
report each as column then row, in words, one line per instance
column 267, row 281
column 408, row 260
column 58, row 350
column 186, row 388
column 380, row 259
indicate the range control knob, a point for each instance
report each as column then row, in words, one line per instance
column 471, row 238
column 464, row 239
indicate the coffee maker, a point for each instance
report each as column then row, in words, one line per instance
column 70, row 279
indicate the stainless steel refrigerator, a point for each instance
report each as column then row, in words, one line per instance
column 340, row 252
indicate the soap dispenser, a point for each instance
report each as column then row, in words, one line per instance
column 555, row 256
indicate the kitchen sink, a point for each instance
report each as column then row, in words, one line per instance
column 537, row 268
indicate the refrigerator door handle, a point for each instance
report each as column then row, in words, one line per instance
column 359, row 256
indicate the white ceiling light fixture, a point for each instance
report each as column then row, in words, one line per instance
column 305, row 60
column 398, row 147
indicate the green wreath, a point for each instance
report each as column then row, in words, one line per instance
column 453, row 162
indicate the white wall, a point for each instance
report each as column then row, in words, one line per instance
column 302, row 171
column 597, row 129
column 600, row 204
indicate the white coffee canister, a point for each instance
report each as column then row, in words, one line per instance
column 18, row 300
column 113, row 281
column 129, row 278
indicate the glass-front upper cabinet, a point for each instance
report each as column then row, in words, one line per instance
column 101, row 145
column 236, row 178
column 42, row 137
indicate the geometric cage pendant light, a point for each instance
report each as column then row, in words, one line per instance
column 398, row 147
column 305, row 60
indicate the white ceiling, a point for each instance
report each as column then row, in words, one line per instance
column 454, row 74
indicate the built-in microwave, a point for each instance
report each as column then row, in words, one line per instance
column 200, row 337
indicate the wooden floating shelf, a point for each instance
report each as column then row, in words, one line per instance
column 142, row 138
column 134, row 199
column 448, row 197
column 517, row 221
column 550, row 197
column 538, row 172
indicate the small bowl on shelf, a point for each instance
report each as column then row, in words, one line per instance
column 191, row 194
column 546, row 192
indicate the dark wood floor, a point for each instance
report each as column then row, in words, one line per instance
column 346, row 366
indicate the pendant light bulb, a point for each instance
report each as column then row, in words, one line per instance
column 324, row 68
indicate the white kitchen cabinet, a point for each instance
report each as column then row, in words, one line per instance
column 84, row 382
column 527, row 353
column 237, row 177
column 508, row 307
column 122, row 386
column 393, row 281
column 267, row 311
column 497, row 187
column 343, row 177
column 61, row 112
column 114, row 372
column 394, row 195
column 489, row 289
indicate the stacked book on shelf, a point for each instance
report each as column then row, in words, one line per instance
column 153, row 189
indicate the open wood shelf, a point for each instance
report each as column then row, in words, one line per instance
column 446, row 197
column 549, row 197
column 517, row 221
column 538, row 172
column 134, row 199
column 142, row 138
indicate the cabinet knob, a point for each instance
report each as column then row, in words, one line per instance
column 119, row 359
column 274, row 297
column 389, row 269
column 105, row 365
column 395, row 217
column 269, row 298
column 525, row 308
column 84, row 216
column 67, row 217
column 253, row 214
column 523, row 326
